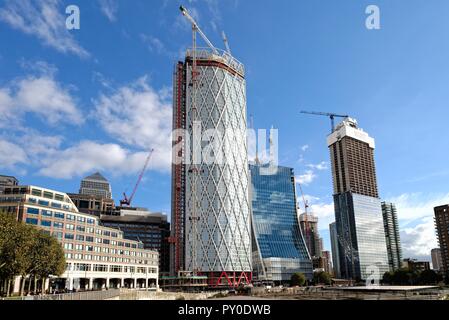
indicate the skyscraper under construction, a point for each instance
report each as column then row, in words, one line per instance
column 211, row 234
column 360, row 229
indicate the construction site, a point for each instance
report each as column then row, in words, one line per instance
column 211, row 236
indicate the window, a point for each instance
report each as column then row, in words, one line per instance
column 68, row 246
column 79, row 247
column 79, row 237
column 90, row 239
column 116, row 269
column 69, row 236
column 44, row 203
column 70, row 217
column 48, row 195
column 68, row 256
column 56, row 205
column 81, row 219
column 114, row 234
column 32, row 200
column 57, row 235
column 59, row 197
column 58, row 225
column 32, row 211
column 90, row 221
column 46, row 223
column 100, row 268
column 89, row 230
column 80, row 229
column 47, row 213
column 106, row 241
column 90, row 248
column 70, row 227
column 59, row 215
column 107, row 233
column 32, row 221
column 36, row 192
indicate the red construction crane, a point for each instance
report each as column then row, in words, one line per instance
column 127, row 201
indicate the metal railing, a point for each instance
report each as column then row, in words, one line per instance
column 88, row 295
column 223, row 56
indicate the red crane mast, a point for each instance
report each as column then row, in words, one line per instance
column 127, row 201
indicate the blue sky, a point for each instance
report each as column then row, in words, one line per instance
column 98, row 98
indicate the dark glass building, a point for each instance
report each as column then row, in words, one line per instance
column 7, row 181
column 279, row 249
column 152, row 229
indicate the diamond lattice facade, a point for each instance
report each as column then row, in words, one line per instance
column 211, row 210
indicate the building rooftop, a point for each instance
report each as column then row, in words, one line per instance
column 349, row 128
column 96, row 177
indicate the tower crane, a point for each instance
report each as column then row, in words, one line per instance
column 127, row 201
column 194, row 217
column 306, row 217
column 226, row 42
column 332, row 116
column 195, row 29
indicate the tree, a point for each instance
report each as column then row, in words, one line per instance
column 388, row 277
column 47, row 258
column 402, row 277
column 429, row 277
column 26, row 250
column 298, row 279
column 16, row 245
column 322, row 278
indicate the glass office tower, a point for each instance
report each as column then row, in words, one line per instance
column 335, row 252
column 279, row 249
column 358, row 213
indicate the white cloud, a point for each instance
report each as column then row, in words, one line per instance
column 416, row 217
column 11, row 155
column 325, row 213
column 90, row 156
column 307, row 178
column 413, row 206
column 139, row 116
column 417, row 242
column 305, row 147
column 40, row 95
column 154, row 44
column 320, row 166
column 43, row 19
column 109, row 8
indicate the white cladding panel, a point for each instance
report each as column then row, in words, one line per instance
column 219, row 190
